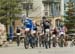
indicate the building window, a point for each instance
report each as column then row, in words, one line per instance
column 58, row 22
column 46, row 10
column 46, row 13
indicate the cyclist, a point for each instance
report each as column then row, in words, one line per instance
column 35, row 33
column 46, row 29
column 18, row 33
column 45, row 24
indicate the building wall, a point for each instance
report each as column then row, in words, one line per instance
column 62, row 8
column 52, row 7
column 37, row 9
column 55, row 10
column 40, row 9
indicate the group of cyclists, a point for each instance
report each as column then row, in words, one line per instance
column 38, row 34
column 41, row 35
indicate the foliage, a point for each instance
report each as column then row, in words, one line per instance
column 70, row 18
column 8, row 10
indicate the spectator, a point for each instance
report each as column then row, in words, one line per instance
column 3, row 37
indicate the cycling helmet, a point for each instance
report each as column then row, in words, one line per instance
column 44, row 17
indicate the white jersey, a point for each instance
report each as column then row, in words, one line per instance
column 62, row 31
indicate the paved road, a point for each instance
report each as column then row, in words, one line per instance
column 13, row 49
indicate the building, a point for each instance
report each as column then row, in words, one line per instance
column 52, row 9
column 32, row 8
column 42, row 7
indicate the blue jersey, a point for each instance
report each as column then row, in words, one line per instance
column 28, row 23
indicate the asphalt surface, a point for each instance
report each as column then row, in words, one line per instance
column 14, row 49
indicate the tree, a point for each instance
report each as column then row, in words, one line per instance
column 70, row 23
column 8, row 11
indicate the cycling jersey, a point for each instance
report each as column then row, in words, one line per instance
column 28, row 23
column 46, row 25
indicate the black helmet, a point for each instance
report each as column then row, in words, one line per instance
column 44, row 17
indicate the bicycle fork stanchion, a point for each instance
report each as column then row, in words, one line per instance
column 18, row 40
column 26, row 42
